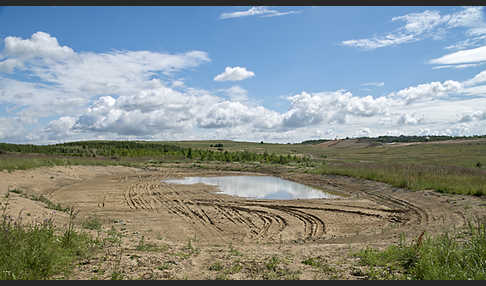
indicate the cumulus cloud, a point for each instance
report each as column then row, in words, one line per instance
column 427, row 91
column 308, row 109
column 475, row 116
column 255, row 11
column 10, row 129
column 68, row 80
column 135, row 94
column 147, row 112
column 234, row 74
column 40, row 45
column 236, row 93
column 155, row 111
column 364, row 132
column 60, row 128
column 426, row 24
column 409, row 119
column 228, row 114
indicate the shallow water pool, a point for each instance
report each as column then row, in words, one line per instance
column 257, row 187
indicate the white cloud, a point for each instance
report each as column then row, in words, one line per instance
column 68, row 80
column 60, row 128
column 427, row 91
column 236, row 93
column 234, row 74
column 410, row 119
column 471, row 17
column 462, row 57
column 133, row 94
column 9, row 65
column 426, row 24
column 364, row 132
column 255, row 11
column 10, row 128
column 40, row 45
column 461, row 66
column 308, row 109
column 479, row 78
column 227, row 114
column 379, row 42
column 375, row 84
column 467, row 43
column 475, row 116
column 418, row 23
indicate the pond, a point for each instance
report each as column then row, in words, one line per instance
column 257, row 187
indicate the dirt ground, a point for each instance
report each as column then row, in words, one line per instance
column 172, row 231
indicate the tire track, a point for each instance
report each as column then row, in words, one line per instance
column 262, row 220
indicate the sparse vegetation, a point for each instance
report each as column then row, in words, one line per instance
column 92, row 223
column 148, row 246
column 49, row 204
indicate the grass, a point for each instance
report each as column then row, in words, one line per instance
column 29, row 161
column 147, row 246
column 39, row 251
column 92, row 223
column 217, row 266
column 445, row 179
column 321, row 265
column 448, row 256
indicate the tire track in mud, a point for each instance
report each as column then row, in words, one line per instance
column 413, row 210
column 379, row 193
column 261, row 221
column 266, row 219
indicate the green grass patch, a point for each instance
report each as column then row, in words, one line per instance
column 446, row 179
column 444, row 257
column 148, row 246
column 39, row 251
column 92, row 223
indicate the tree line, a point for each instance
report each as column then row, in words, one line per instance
column 133, row 149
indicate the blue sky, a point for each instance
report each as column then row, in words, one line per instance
column 278, row 74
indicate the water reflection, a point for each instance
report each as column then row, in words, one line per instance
column 259, row 187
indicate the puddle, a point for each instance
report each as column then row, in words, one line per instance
column 257, row 187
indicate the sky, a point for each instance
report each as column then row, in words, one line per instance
column 273, row 74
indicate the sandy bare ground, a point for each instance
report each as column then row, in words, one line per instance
column 198, row 233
